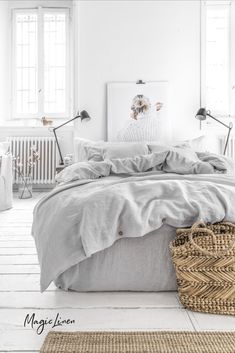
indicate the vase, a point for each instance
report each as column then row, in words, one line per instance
column 25, row 189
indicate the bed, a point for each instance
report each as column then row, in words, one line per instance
column 108, row 223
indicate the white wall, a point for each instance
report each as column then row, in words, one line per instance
column 129, row 40
column 4, row 61
column 126, row 41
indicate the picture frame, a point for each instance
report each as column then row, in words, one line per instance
column 137, row 111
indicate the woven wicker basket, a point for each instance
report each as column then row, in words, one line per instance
column 204, row 260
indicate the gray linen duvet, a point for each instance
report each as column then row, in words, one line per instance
column 99, row 203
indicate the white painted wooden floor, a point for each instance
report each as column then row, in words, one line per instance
column 20, row 295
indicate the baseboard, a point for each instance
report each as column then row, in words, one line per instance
column 38, row 187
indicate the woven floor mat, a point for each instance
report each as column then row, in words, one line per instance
column 139, row 342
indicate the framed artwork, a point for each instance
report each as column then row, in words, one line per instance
column 138, row 112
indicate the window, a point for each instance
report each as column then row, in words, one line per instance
column 218, row 66
column 41, row 76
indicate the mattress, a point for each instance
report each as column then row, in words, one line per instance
column 130, row 264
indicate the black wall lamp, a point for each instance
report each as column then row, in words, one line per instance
column 83, row 116
column 202, row 115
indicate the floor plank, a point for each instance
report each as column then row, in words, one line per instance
column 21, row 282
column 88, row 320
column 17, row 244
column 207, row 322
column 20, row 269
column 61, row 299
column 17, row 230
column 17, row 237
column 18, row 260
column 20, row 216
column 17, row 251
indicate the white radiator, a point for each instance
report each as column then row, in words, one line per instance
column 231, row 146
column 45, row 168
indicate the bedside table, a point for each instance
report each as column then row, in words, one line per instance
column 60, row 168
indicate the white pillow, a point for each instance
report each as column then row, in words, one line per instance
column 93, row 153
column 198, row 144
column 183, row 150
column 125, row 150
column 80, row 153
column 98, row 151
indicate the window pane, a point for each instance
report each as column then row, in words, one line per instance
column 217, row 59
column 26, row 63
column 55, row 62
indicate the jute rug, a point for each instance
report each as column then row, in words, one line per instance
column 139, row 342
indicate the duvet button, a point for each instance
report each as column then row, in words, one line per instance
column 120, row 233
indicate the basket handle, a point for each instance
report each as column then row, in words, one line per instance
column 201, row 226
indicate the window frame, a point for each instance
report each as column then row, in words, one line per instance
column 203, row 103
column 40, row 10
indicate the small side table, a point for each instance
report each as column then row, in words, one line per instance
column 59, row 168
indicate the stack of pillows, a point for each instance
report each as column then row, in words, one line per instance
column 190, row 151
column 86, row 150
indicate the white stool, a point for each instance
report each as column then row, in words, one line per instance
column 5, row 182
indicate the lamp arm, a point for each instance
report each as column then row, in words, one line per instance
column 229, row 127
column 58, row 146
column 212, row 117
column 227, row 139
column 56, row 139
column 57, row 127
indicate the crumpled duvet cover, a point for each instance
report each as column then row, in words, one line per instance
column 97, row 203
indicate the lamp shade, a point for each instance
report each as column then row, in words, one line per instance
column 201, row 114
column 84, row 115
